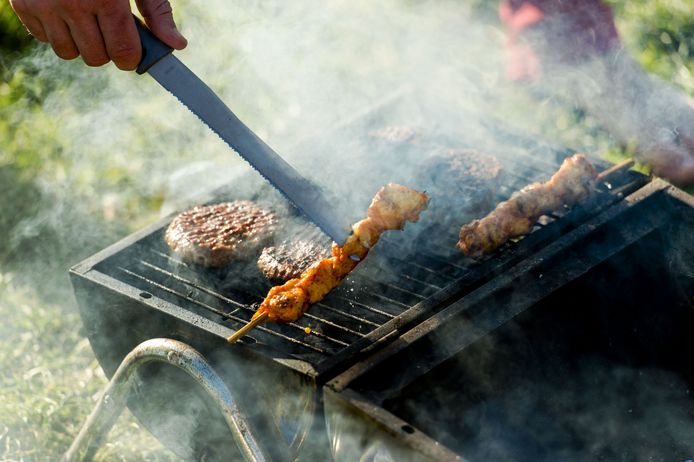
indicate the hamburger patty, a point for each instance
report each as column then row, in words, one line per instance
column 214, row 235
column 393, row 134
column 467, row 167
column 289, row 259
column 461, row 185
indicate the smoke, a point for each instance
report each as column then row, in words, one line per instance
column 304, row 76
column 114, row 150
column 301, row 75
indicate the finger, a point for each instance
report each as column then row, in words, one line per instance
column 30, row 21
column 679, row 170
column 87, row 36
column 120, row 35
column 34, row 26
column 159, row 18
column 58, row 34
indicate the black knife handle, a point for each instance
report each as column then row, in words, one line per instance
column 153, row 49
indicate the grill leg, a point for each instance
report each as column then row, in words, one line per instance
column 178, row 354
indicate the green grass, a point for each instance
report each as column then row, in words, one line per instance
column 49, row 381
column 71, row 184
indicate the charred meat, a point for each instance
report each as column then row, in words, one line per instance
column 289, row 259
column 476, row 165
column 573, row 182
column 393, row 134
column 461, row 185
column 214, row 235
column 392, row 206
column 461, row 181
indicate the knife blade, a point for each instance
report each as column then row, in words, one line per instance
column 158, row 60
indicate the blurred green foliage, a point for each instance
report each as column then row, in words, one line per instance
column 14, row 38
column 31, row 154
column 50, row 381
column 660, row 34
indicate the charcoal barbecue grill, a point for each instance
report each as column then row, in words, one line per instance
column 136, row 290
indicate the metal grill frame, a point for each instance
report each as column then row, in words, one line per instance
column 357, row 392
column 111, row 309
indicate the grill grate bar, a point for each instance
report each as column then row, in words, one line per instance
column 332, row 324
column 406, row 263
column 221, row 313
column 345, row 314
column 319, row 334
column 408, row 292
column 437, row 273
column 241, row 305
column 440, row 258
column 389, row 300
column 425, row 253
column 301, row 328
column 411, row 278
column 192, row 284
column 175, row 260
column 366, row 307
column 325, row 321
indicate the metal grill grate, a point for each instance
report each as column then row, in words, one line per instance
column 363, row 302
column 392, row 288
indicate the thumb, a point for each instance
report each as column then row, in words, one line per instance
column 159, row 18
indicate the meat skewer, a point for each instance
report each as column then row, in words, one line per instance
column 574, row 181
column 623, row 165
column 390, row 208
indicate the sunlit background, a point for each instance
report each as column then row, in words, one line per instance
column 88, row 155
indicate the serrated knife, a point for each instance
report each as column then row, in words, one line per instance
column 158, row 60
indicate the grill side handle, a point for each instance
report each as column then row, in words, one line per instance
column 115, row 396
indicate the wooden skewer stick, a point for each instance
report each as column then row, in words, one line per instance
column 624, row 165
column 251, row 324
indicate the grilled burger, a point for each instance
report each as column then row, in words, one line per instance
column 461, row 184
column 214, row 235
column 393, row 134
column 289, row 259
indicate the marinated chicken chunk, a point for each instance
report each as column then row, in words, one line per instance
column 573, row 182
column 390, row 209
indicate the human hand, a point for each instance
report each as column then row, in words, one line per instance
column 98, row 30
column 639, row 110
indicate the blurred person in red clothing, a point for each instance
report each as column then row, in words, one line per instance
column 573, row 48
column 569, row 47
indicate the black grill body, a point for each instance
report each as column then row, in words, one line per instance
column 578, row 352
column 136, row 290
